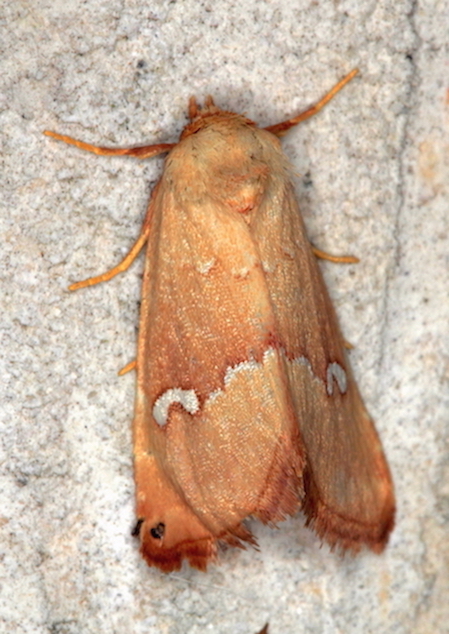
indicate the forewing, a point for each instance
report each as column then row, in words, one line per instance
column 348, row 489
column 216, row 438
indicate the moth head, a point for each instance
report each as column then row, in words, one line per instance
column 208, row 115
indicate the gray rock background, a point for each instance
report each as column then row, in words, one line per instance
column 372, row 180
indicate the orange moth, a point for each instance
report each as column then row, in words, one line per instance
column 246, row 404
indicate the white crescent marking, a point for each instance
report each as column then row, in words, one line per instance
column 335, row 371
column 187, row 398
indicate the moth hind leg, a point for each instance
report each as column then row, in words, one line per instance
column 120, row 268
column 336, row 259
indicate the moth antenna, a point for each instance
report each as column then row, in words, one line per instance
column 209, row 102
column 279, row 129
column 140, row 151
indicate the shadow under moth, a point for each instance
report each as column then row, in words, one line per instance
column 246, row 404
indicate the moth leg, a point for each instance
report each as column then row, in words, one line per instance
column 142, row 152
column 279, row 129
column 132, row 365
column 338, row 259
column 123, row 266
column 145, row 151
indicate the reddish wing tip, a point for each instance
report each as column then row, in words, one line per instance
column 198, row 553
column 348, row 533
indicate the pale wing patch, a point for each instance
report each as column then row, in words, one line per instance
column 241, row 273
column 247, row 366
column 289, row 251
column 301, row 361
column 204, row 267
column 335, row 371
column 187, row 398
column 244, row 266
column 247, row 435
column 268, row 266
column 244, row 366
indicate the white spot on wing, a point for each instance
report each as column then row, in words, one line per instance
column 205, row 267
column 187, row 398
column 288, row 251
column 335, row 371
column 268, row 267
column 241, row 273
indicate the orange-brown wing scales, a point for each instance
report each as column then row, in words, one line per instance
column 348, row 490
column 247, row 462
column 349, row 499
column 205, row 473
column 165, row 543
column 244, row 392
column 214, row 413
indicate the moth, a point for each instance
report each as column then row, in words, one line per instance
column 246, row 404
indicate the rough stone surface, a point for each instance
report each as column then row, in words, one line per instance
column 372, row 180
